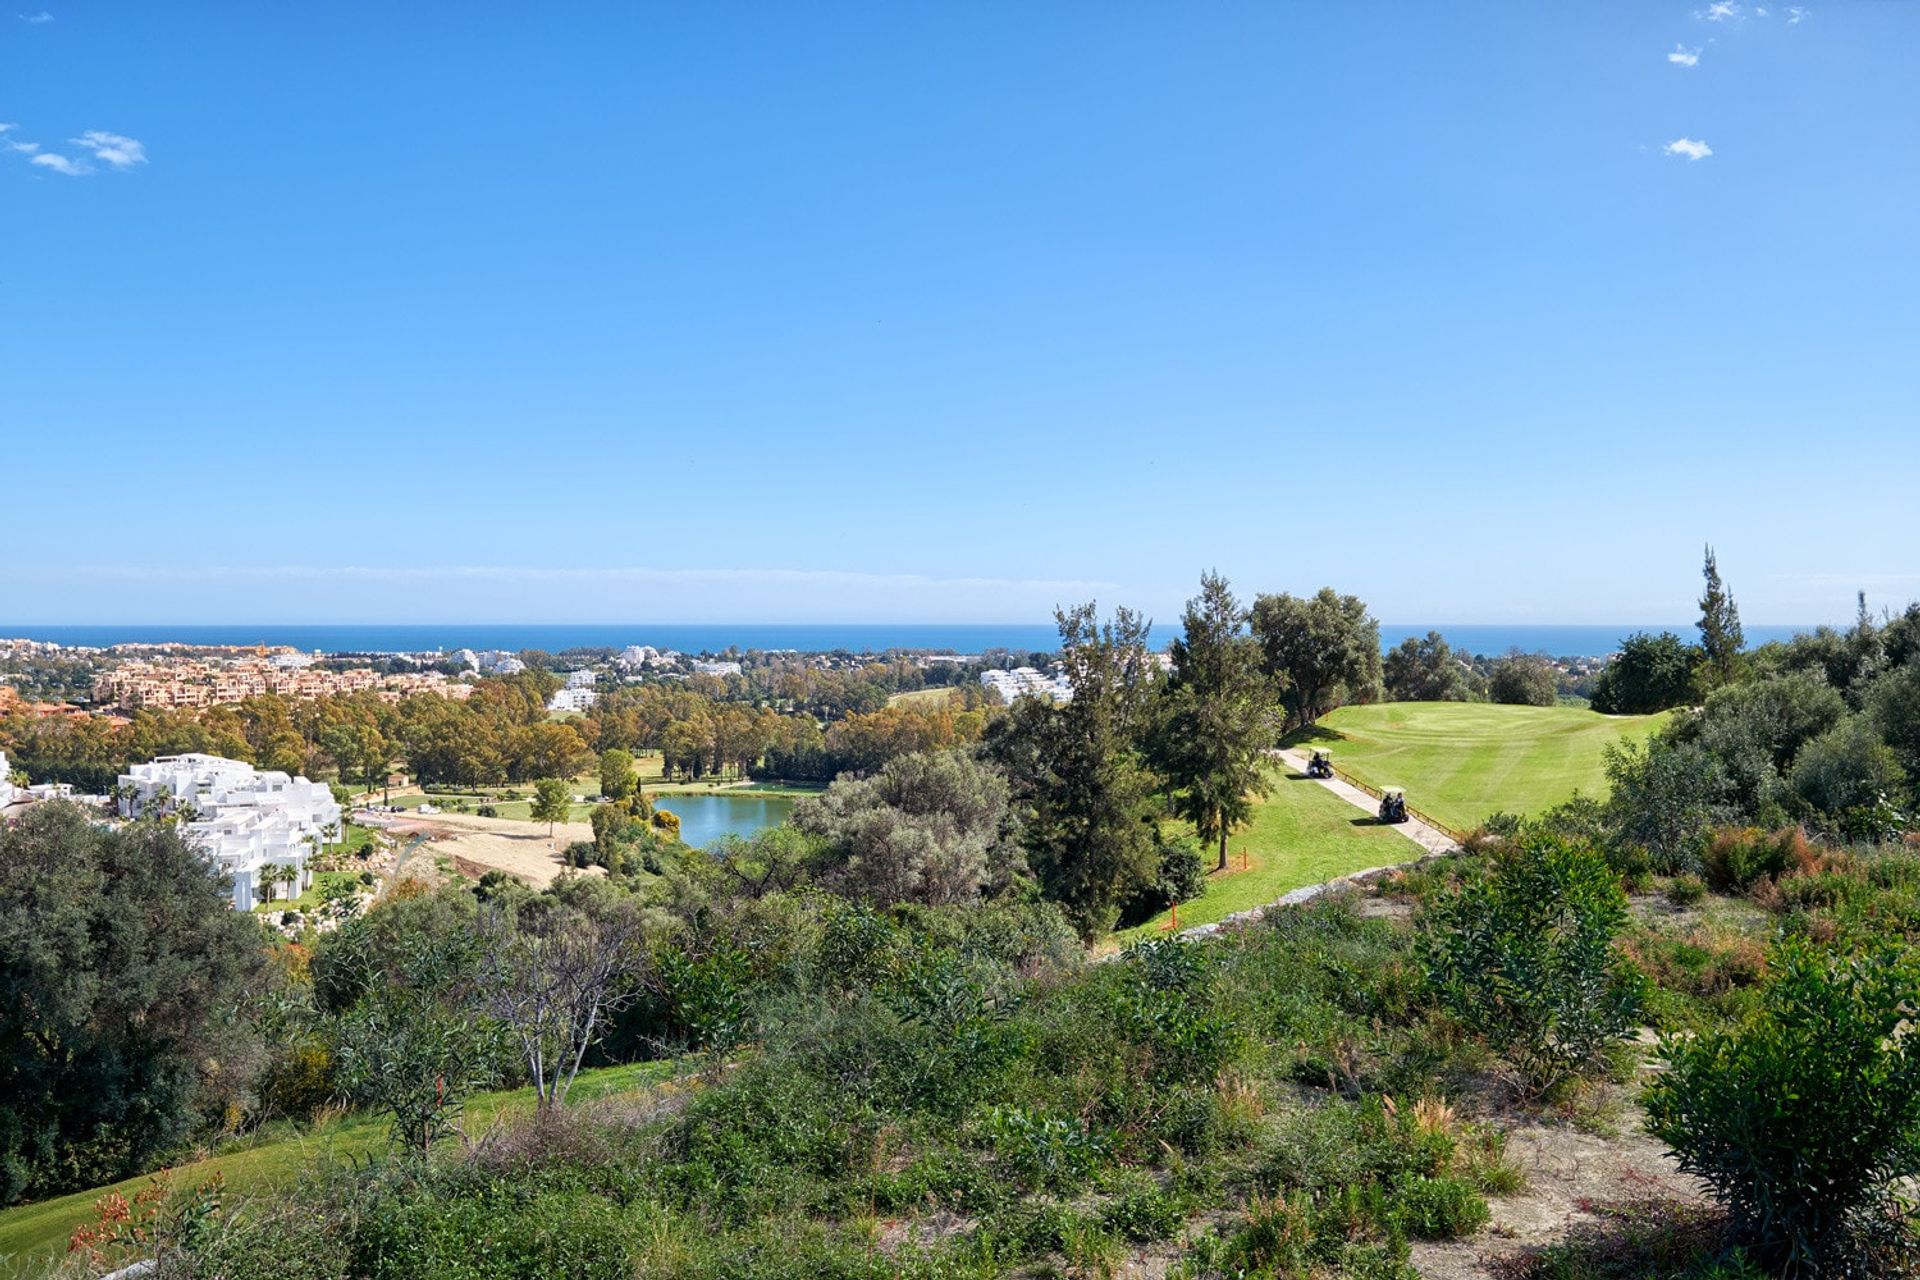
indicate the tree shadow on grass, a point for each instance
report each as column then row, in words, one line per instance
column 1312, row 733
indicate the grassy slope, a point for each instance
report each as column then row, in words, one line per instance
column 1461, row 761
column 1301, row 834
column 30, row 1232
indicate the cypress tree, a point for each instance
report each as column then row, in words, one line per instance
column 1720, row 637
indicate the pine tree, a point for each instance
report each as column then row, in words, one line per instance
column 1079, row 775
column 1720, row 637
column 1221, row 714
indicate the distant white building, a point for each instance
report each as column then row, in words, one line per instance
column 716, row 668
column 1026, row 682
column 465, row 658
column 497, row 662
column 581, row 679
column 244, row 819
column 574, row 699
column 6, row 781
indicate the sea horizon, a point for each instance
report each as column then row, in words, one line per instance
column 1560, row 640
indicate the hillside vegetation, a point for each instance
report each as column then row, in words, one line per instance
column 1461, row 761
column 32, row 1234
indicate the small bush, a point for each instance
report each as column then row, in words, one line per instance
column 486, row 811
column 1525, row 955
column 1439, row 1208
column 1805, row 1119
column 1143, row 1214
column 1737, row 858
column 1684, row 891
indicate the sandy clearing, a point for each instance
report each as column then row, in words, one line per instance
column 520, row 849
column 1571, row 1177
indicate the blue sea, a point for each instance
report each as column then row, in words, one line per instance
column 1558, row 641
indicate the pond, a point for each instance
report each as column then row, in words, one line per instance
column 705, row 818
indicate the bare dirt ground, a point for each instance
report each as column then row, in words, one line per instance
column 478, row 845
column 1572, row 1178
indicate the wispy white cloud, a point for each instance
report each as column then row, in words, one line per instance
column 1684, row 57
column 1720, row 11
column 1795, row 15
column 112, row 148
column 1691, row 148
column 58, row 163
column 35, row 19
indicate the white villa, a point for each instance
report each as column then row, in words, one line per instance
column 245, row 819
column 6, row 782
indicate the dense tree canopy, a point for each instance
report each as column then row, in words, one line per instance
column 1321, row 650
column 1523, row 679
column 122, row 966
column 928, row 828
column 1425, row 669
column 1650, row 673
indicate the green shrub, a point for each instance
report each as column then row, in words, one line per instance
column 442, row 1238
column 1740, row 857
column 1039, row 1150
column 1525, row 955
column 1804, row 1119
column 1142, row 1214
column 1442, row 1208
column 1684, row 891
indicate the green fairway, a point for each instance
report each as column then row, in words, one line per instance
column 1301, row 834
column 31, row 1233
column 1461, row 761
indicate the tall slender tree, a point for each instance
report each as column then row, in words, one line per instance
column 1220, row 715
column 1078, row 772
column 1720, row 636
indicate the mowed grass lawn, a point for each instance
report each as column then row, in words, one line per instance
column 33, row 1233
column 1300, row 834
column 1461, row 761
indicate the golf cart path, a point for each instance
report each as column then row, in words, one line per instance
column 1428, row 838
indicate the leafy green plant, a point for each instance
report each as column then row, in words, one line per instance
column 1525, row 955
column 1806, row 1118
column 1041, row 1150
column 1443, row 1208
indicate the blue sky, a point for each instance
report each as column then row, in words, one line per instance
column 949, row 312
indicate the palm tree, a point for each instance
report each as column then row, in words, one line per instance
column 329, row 834
column 263, row 891
column 288, row 875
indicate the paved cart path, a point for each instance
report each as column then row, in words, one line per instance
column 1432, row 839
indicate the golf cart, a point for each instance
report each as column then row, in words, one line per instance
column 1320, row 764
column 1393, row 804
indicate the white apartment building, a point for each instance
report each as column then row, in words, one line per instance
column 717, row 668
column 581, row 679
column 6, row 782
column 1026, row 682
column 575, row 698
column 244, row 819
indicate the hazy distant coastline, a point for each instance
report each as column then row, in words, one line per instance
column 1489, row 638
